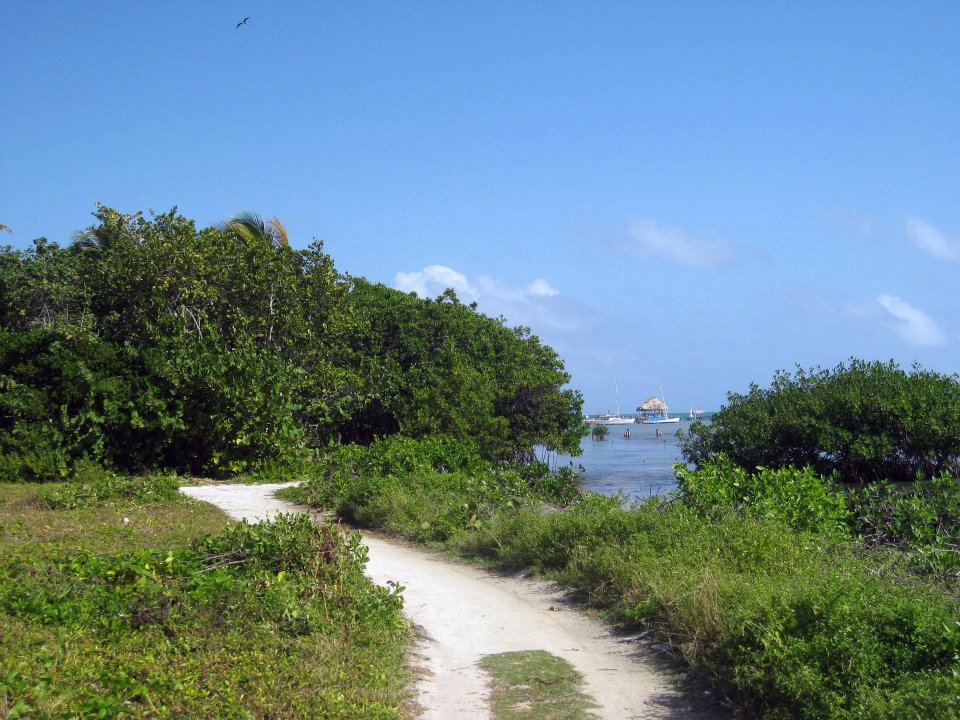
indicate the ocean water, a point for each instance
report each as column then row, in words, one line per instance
column 638, row 466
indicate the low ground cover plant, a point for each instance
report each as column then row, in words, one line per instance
column 535, row 685
column 105, row 488
column 209, row 620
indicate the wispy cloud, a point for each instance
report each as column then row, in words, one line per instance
column 536, row 304
column 913, row 325
column 647, row 237
column 933, row 241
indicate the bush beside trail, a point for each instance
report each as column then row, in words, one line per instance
column 753, row 580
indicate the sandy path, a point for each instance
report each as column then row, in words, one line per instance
column 466, row 613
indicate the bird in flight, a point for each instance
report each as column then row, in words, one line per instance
column 243, row 22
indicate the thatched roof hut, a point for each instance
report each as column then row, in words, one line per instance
column 652, row 405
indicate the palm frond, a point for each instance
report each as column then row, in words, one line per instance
column 279, row 232
column 251, row 227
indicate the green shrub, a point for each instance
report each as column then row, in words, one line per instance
column 433, row 489
column 800, row 498
column 791, row 624
column 843, row 643
column 262, row 620
column 866, row 421
column 922, row 519
column 751, row 577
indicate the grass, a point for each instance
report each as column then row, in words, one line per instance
column 179, row 613
column 536, row 685
column 27, row 522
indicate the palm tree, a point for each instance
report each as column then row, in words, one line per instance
column 250, row 226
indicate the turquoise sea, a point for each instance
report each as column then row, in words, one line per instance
column 638, row 466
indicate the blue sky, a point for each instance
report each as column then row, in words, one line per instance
column 685, row 194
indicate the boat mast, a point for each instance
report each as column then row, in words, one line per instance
column 616, row 391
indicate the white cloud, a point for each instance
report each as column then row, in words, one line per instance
column 537, row 305
column 541, row 288
column 913, row 325
column 434, row 279
column 932, row 241
column 490, row 287
column 647, row 237
column 438, row 277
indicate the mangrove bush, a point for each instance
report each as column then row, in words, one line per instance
column 864, row 421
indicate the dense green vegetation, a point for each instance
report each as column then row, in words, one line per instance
column 807, row 565
column 176, row 614
column 865, row 421
column 440, row 367
column 150, row 344
column 433, row 490
column 754, row 579
column 890, row 437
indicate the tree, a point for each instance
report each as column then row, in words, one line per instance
column 439, row 366
column 226, row 343
column 865, row 421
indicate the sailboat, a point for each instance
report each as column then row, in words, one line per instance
column 610, row 418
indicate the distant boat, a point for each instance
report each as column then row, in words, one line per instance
column 694, row 414
column 611, row 418
column 661, row 420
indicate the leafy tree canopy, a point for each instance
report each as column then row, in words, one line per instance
column 439, row 366
column 866, row 421
column 151, row 343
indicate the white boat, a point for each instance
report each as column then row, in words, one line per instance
column 614, row 418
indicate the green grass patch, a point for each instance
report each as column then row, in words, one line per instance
column 29, row 524
column 179, row 613
column 536, row 685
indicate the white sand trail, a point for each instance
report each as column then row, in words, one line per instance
column 466, row 613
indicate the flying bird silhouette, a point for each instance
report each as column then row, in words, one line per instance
column 243, row 22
